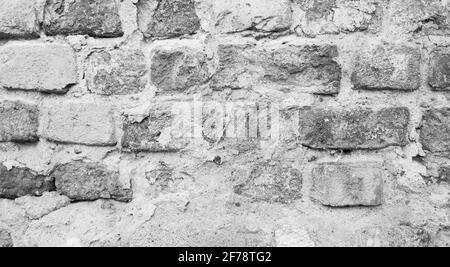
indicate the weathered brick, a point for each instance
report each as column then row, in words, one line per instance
column 18, row 182
column 77, row 122
column 387, row 68
column 259, row 15
column 272, row 182
column 167, row 18
column 81, row 181
column 439, row 76
column 98, row 18
column 5, row 239
column 335, row 16
column 352, row 129
column 179, row 69
column 18, row 19
column 18, row 122
column 37, row 67
column 435, row 130
column 348, row 184
column 428, row 17
column 117, row 72
column 157, row 132
column 302, row 68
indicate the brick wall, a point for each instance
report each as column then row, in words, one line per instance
column 224, row 123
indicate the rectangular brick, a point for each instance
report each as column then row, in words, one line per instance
column 270, row 182
column 18, row 122
column 435, row 130
column 97, row 18
column 158, row 131
column 387, row 68
column 78, row 122
column 348, row 184
column 167, row 18
column 178, row 69
column 18, row 182
column 116, row 72
column 333, row 17
column 439, row 74
column 18, row 19
column 259, row 15
column 301, row 68
column 35, row 66
column 81, row 181
column 353, row 129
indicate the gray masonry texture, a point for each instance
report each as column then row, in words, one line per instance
column 348, row 184
column 91, row 17
column 17, row 182
column 19, row 121
column 117, row 72
column 18, row 19
column 37, row 67
column 88, row 181
column 237, row 123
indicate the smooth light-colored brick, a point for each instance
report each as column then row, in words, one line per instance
column 79, row 122
column 435, row 130
column 18, row 182
column 299, row 68
column 167, row 18
column 260, row 15
column 81, row 181
column 348, row 184
column 18, row 19
column 271, row 182
column 387, row 67
column 117, row 72
column 352, row 129
column 18, row 121
column 178, row 69
column 34, row 66
column 98, row 18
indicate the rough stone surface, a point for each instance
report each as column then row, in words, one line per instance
column 427, row 17
column 157, row 132
column 117, row 72
column 37, row 67
column 18, row 121
column 167, row 18
column 348, row 184
column 439, row 75
column 435, row 131
column 17, row 182
column 38, row 207
column 260, row 15
column 79, row 122
column 305, row 68
column 177, row 70
column 89, row 181
column 272, row 182
column 387, row 68
column 353, row 129
column 250, row 123
column 99, row 18
column 18, row 19
column 5, row 239
column 335, row 16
